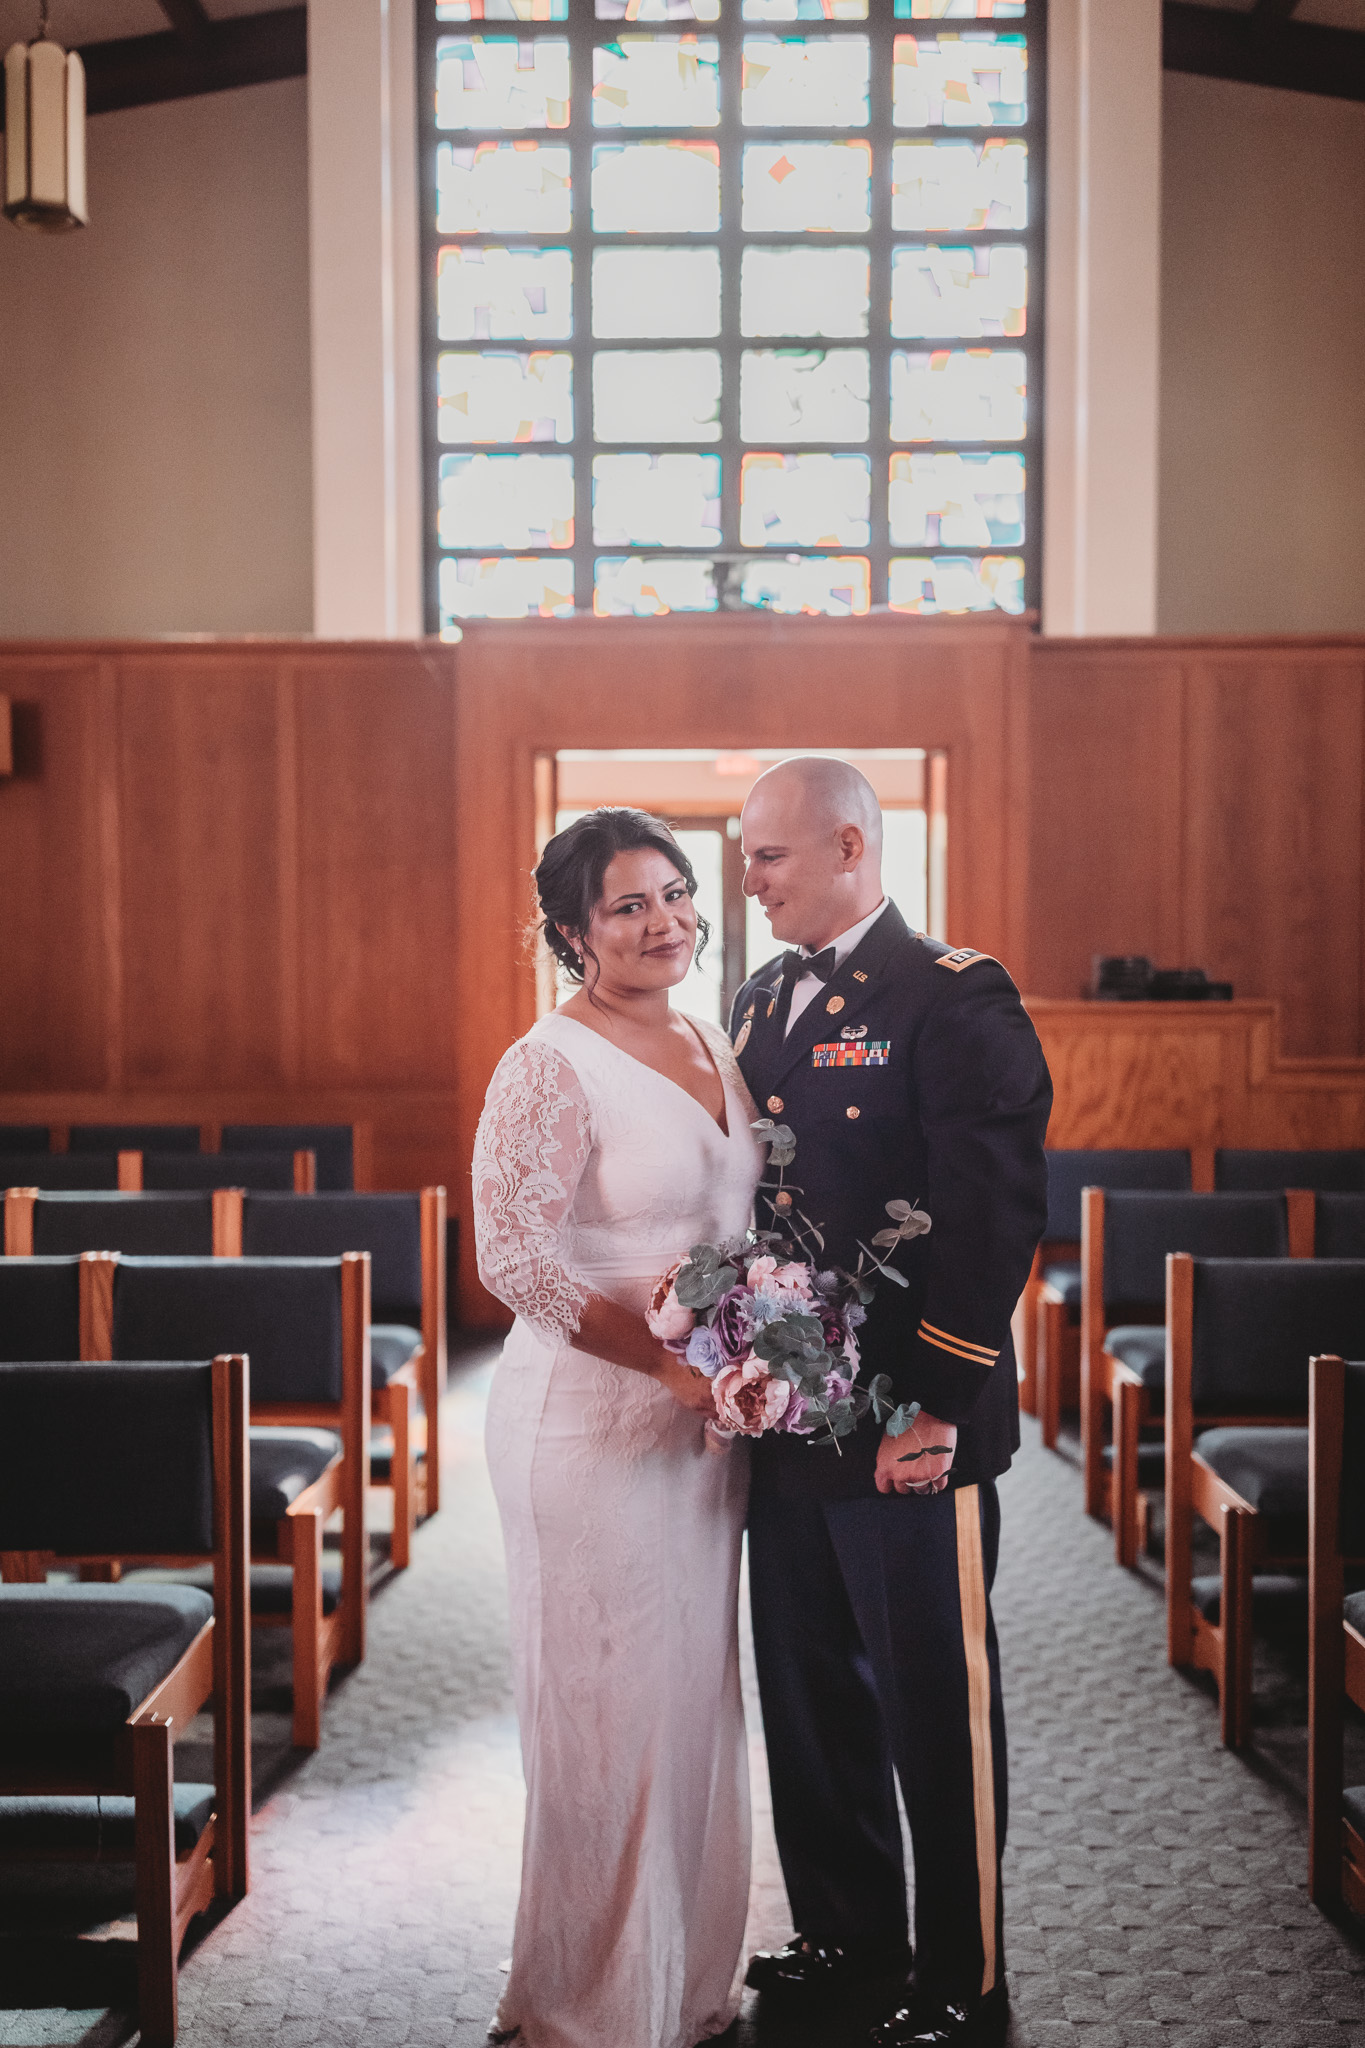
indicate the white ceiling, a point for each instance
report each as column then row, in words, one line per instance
column 99, row 21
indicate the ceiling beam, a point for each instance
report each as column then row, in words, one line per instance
column 243, row 49
column 188, row 19
column 1263, row 48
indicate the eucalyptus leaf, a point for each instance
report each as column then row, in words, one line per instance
column 887, row 1237
column 890, row 1273
column 898, row 1211
column 902, row 1418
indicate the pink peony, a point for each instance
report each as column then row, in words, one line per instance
column 793, row 1279
column 666, row 1316
column 761, row 1270
column 748, row 1399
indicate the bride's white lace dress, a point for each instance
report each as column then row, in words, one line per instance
column 591, row 1174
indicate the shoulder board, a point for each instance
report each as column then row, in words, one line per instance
column 964, row 957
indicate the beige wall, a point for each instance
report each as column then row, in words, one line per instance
column 1262, row 468
column 155, row 458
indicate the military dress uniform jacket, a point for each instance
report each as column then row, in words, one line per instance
column 915, row 1074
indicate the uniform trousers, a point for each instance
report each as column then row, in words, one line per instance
column 877, row 1655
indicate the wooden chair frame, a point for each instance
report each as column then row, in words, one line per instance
column 1116, row 1496
column 1336, row 1651
column 320, row 1640
column 171, row 1889
column 1056, row 1344
column 1194, row 1488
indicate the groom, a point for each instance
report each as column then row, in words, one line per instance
column 907, row 1070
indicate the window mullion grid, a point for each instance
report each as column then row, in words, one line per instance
column 730, row 136
column 881, row 134
column 582, row 42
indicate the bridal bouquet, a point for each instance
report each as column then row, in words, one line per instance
column 774, row 1330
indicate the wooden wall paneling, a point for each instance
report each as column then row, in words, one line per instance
column 199, row 854
column 53, row 935
column 1197, row 1074
column 1273, row 826
column 724, row 682
column 1105, row 808
column 376, row 894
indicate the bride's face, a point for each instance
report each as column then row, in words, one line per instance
column 644, row 928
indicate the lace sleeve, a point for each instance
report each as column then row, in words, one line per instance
column 533, row 1142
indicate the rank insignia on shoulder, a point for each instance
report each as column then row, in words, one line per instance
column 872, row 1052
column 965, row 956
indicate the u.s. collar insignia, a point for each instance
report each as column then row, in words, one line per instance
column 854, row 1031
column 858, row 974
column 745, row 1028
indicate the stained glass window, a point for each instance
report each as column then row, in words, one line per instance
column 729, row 304
column 799, row 394
column 656, row 82
column 805, row 82
column 656, row 394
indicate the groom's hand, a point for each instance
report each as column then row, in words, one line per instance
column 922, row 1475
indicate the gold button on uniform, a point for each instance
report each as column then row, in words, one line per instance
column 852, row 1112
column 775, row 1104
column 834, row 1005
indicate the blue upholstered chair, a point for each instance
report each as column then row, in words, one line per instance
column 1250, row 1172
column 88, row 1171
column 40, row 1308
column 55, row 1223
column 1339, row 1226
column 1336, row 1623
column 1050, row 1352
column 405, row 1237
column 280, row 1171
column 133, row 1138
column 304, row 1325
column 1126, row 1235
column 333, row 1145
column 25, row 1138
column 95, row 1679
column 1241, row 1333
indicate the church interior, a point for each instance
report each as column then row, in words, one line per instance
column 314, row 630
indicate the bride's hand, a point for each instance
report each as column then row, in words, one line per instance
column 689, row 1387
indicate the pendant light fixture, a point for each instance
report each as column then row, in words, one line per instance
column 44, row 134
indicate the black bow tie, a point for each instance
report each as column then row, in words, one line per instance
column 794, row 965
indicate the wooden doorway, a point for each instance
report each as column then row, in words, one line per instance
column 528, row 692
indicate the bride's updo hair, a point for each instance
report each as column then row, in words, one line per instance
column 573, row 868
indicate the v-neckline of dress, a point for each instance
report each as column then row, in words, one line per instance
column 667, row 1079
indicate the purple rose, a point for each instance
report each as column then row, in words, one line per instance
column 733, row 1323
column 792, row 1418
column 837, row 1388
column 833, row 1324
column 704, row 1351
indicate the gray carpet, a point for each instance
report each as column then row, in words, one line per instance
column 1155, row 1885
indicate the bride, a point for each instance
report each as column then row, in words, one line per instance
column 616, row 1135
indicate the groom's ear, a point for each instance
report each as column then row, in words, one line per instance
column 851, row 844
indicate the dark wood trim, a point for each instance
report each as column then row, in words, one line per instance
column 142, row 71
column 1263, row 48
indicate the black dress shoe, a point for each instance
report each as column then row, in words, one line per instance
column 803, row 1969
column 927, row 2021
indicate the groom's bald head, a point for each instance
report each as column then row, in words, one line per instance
column 812, row 832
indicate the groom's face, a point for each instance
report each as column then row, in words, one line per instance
column 798, row 865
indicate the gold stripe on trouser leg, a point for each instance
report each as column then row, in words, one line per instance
column 971, row 1586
